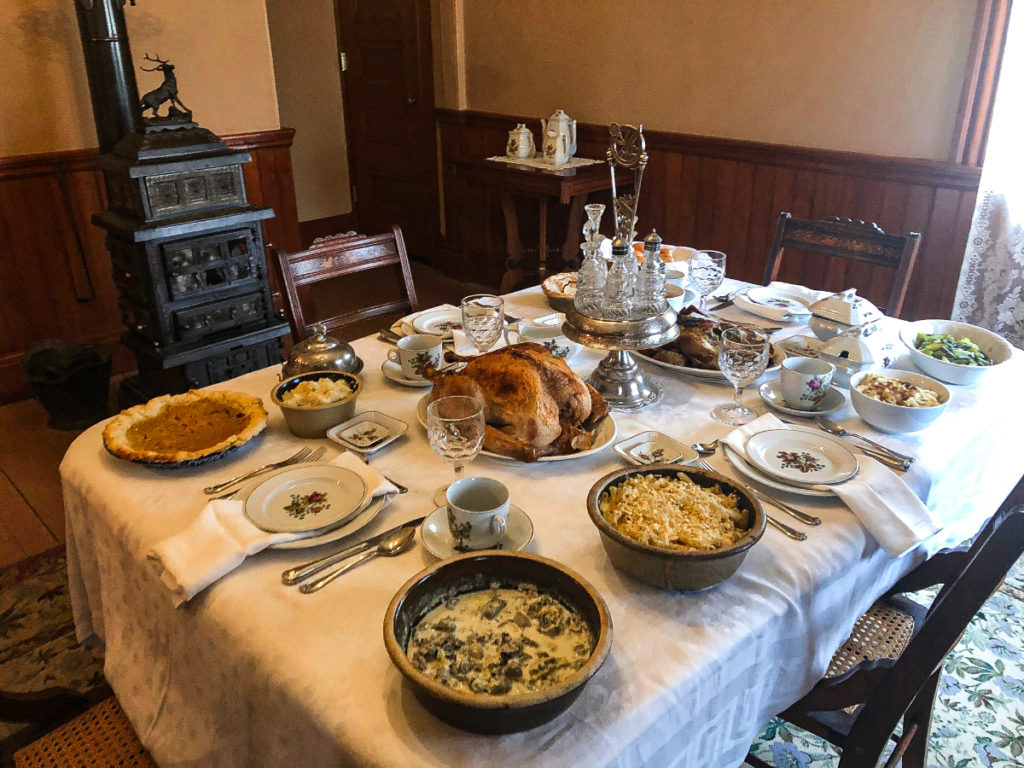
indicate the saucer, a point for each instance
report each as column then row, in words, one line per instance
column 771, row 393
column 437, row 537
column 393, row 371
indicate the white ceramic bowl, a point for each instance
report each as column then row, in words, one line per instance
column 679, row 297
column 896, row 419
column 992, row 344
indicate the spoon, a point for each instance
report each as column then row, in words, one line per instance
column 831, row 427
column 395, row 544
column 706, row 449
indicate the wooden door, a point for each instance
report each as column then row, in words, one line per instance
column 389, row 114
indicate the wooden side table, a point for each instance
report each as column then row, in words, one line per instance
column 568, row 187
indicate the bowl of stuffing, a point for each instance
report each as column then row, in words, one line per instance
column 314, row 402
column 897, row 401
column 673, row 526
column 957, row 353
column 496, row 642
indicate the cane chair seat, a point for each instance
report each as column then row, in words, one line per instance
column 882, row 632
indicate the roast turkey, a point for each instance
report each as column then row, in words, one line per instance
column 534, row 404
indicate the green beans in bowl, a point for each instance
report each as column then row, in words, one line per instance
column 956, row 353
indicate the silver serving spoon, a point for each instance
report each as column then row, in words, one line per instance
column 395, row 544
column 706, row 449
column 832, row 428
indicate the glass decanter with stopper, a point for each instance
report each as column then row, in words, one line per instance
column 593, row 272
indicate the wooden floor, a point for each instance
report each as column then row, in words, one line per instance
column 31, row 509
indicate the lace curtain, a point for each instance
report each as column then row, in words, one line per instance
column 991, row 288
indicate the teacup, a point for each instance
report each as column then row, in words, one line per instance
column 477, row 512
column 418, row 355
column 805, row 382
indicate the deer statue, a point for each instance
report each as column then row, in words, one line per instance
column 168, row 91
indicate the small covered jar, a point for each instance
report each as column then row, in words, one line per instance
column 321, row 352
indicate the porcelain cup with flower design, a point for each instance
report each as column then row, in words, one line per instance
column 418, row 355
column 805, row 382
column 477, row 512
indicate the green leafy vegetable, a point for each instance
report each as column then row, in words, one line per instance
column 943, row 346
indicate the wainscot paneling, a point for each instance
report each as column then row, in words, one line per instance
column 727, row 194
column 55, row 279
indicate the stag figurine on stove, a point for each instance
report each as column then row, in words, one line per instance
column 168, row 91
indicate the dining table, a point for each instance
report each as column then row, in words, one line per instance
column 251, row 672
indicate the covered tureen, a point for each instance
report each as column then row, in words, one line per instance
column 321, row 352
column 854, row 339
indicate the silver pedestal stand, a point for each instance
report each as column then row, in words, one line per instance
column 618, row 378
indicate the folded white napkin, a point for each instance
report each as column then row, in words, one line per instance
column 404, row 326
column 800, row 292
column 221, row 537
column 880, row 500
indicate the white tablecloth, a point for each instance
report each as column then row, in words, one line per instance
column 251, row 673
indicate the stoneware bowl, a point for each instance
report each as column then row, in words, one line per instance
column 897, row 419
column 992, row 344
column 486, row 713
column 669, row 567
column 314, row 421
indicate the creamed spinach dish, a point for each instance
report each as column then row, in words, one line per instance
column 501, row 641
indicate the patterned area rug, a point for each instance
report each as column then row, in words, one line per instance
column 979, row 712
column 38, row 648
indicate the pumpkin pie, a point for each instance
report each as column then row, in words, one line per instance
column 172, row 429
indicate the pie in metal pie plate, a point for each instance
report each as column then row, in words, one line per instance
column 801, row 457
column 305, row 498
column 185, row 430
column 603, row 435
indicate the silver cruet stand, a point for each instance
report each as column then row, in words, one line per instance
column 617, row 377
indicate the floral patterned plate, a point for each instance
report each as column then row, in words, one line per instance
column 795, row 456
column 368, row 432
column 771, row 393
column 438, row 322
column 750, row 472
column 778, row 299
column 306, row 497
column 437, row 536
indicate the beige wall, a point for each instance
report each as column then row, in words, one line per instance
column 309, row 99
column 876, row 76
column 221, row 52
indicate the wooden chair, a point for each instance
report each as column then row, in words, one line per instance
column 889, row 668
column 337, row 256
column 848, row 240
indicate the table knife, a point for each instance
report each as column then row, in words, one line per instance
column 302, row 572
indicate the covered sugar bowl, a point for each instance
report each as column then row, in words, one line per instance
column 841, row 312
column 321, row 352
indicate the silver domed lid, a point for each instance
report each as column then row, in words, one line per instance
column 321, row 352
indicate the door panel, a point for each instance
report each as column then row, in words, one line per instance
column 389, row 110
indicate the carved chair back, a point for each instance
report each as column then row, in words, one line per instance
column 849, row 241
column 337, row 256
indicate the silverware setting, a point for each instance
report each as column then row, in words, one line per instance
column 302, row 456
column 892, row 460
column 708, row 449
column 830, row 426
column 302, row 572
column 395, row 544
column 785, row 529
column 727, row 300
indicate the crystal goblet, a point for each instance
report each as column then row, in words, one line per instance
column 455, row 430
column 483, row 319
column 742, row 358
column 707, row 270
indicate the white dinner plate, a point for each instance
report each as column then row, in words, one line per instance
column 603, row 435
column 802, row 457
column 305, row 498
column 712, row 374
column 438, row 322
column 777, row 299
column 437, row 536
column 751, row 473
column 771, row 393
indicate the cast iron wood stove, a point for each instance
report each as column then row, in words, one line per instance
column 187, row 246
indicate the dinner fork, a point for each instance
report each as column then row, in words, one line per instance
column 301, row 455
column 791, row 532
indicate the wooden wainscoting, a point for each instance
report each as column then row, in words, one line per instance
column 727, row 194
column 55, row 279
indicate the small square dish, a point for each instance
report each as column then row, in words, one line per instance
column 367, row 432
column 653, row 448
